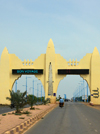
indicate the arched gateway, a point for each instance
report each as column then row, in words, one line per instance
column 50, row 68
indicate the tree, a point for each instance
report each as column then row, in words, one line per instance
column 30, row 100
column 89, row 98
column 18, row 99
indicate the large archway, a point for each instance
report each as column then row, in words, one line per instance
column 50, row 69
column 30, row 84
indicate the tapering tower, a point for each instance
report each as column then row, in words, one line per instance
column 50, row 82
column 50, row 71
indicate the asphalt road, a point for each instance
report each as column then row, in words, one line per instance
column 73, row 118
column 5, row 109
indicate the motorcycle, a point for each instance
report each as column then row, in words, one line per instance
column 61, row 104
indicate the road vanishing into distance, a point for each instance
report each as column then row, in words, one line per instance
column 73, row 118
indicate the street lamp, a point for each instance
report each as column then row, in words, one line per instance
column 37, row 90
column 80, row 91
column 41, row 93
column 16, row 86
column 26, row 85
column 87, row 92
column 33, row 87
column 83, row 89
column 81, row 82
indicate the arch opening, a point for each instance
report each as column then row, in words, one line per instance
column 31, row 84
column 74, row 87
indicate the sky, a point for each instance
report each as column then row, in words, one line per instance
column 26, row 27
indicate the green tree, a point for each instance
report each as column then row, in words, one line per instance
column 89, row 98
column 46, row 101
column 31, row 101
column 18, row 99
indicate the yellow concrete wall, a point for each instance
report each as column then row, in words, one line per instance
column 95, row 75
column 8, row 62
column 4, row 76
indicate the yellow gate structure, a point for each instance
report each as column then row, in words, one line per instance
column 50, row 69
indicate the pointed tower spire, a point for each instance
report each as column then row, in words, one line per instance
column 50, row 46
column 95, row 51
column 4, row 52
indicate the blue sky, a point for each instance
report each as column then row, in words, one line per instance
column 73, row 25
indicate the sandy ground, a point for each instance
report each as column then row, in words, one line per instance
column 95, row 106
column 10, row 120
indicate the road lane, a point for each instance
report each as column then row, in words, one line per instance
column 73, row 118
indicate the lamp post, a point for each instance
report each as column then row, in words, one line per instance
column 37, row 90
column 87, row 92
column 26, row 85
column 41, row 93
column 81, row 87
column 74, row 96
column 16, row 86
column 84, row 90
column 33, row 87
column 44, row 94
column 79, row 92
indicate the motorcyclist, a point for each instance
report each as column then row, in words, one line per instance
column 61, row 102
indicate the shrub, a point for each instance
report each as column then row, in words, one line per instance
column 33, row 108
column 18, row 114
column 26, row 112
column 21, row 109
column 38, row 108
column 9, row 113
column 3, row 114
column 21, row 117
column 29, row 115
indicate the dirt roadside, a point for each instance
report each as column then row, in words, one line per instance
column 95, row 106
column 10, row 121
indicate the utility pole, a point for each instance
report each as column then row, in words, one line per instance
column 41, row 93
column 87, row 92
column 16, row 86
column 26, row 85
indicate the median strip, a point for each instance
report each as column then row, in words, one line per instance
column 14, row 124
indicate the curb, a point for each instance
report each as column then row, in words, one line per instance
column 24, row 126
